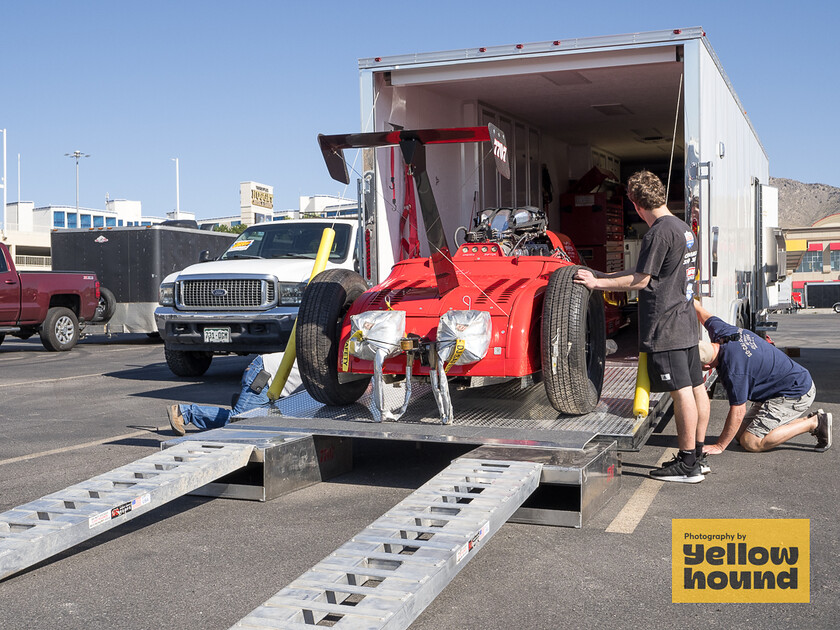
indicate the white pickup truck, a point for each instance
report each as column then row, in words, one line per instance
column 246, row 301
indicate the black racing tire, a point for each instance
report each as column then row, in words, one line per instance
column 106, row 307
column 185, row 363
column 836, row 307
column 322, row 309
column 60, row 330
column 573, row 343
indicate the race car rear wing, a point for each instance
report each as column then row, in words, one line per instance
column 412, row 144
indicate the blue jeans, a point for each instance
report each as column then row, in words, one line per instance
column 204, row 417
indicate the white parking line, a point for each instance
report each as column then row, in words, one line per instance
column 50, row 380
column 76, row 447
column 635, row 509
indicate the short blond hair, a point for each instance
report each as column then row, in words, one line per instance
column 646, row 190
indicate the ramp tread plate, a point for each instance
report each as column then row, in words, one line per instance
column 418, row 572
column 505, row 408
column 35, row 531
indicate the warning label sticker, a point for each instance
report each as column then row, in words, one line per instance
column 472, row 542
column 118, row 510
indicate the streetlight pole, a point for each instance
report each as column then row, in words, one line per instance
column 177, row 189
column 5, row 186
column 77, row 154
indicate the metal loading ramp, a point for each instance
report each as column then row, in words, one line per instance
column 386, row 575
column 35, row 531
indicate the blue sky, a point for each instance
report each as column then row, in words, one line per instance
column 239, row 90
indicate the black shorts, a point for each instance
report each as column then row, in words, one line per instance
column 674, row 369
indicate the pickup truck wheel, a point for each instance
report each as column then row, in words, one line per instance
column 322, row 309
column 836, row 307
column 573, row 343
column 184, row 363
column 60, row 330
column 106, row 307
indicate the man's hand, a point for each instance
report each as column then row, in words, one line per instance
column 586, row 278
column 714, row 449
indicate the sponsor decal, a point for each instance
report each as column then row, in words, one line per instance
column 689, row 239
column 740, row 560
column 241, row 245
column 100, row 239
column 499, row 150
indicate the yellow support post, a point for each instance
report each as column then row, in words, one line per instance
column 289, row 355
column 641, row 401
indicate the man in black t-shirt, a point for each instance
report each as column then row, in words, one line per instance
column 753, row 370
column 668, row 331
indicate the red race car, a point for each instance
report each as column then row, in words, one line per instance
column 501, row 305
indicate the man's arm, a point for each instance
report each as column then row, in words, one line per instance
column 619, row 281
column 731, row 428
column 702, row 313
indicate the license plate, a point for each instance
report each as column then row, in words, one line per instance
column 217, row 335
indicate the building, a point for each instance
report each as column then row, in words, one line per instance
column 27, row 228
column 812, row 255
column 256, row 205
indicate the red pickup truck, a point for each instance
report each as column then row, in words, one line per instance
column 54, row 304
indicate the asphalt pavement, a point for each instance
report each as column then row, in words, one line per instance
column 200, row 563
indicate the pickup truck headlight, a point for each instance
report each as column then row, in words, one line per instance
column 166, row 294
column 290, row 292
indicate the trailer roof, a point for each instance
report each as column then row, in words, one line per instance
column 534, row 48
column 643, row 68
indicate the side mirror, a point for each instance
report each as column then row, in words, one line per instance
column 204, row 256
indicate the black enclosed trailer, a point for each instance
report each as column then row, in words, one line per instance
column 822, row 295
column 130, row 263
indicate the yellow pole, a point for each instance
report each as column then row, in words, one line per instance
column 288, row 360
column 641, row 401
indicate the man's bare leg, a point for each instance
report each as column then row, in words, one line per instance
column 701, row 400
column 779, row 435
column 685, row 416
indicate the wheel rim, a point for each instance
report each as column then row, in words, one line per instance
column 64, row 330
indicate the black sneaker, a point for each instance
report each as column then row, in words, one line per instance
column 704, row 464
column 823, row 431
column 678, row 470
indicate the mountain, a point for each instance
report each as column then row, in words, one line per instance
column 801, row 205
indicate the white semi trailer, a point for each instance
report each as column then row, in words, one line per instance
column 657, row 100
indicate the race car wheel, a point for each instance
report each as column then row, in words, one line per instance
column 573, row 343
column 60, row 330
column 325, row 302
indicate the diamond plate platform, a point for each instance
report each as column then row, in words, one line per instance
column 495, row 414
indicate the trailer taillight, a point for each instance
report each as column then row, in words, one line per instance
column 98, row 294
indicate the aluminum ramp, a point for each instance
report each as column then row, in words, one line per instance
column 35, row 531
column 386, row 575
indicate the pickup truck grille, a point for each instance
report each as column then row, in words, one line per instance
column 229, row 293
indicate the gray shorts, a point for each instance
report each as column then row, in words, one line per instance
column 765, row 416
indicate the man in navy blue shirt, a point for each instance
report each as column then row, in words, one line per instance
column 753, row 370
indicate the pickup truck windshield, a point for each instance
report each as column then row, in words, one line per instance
column 289, row 240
